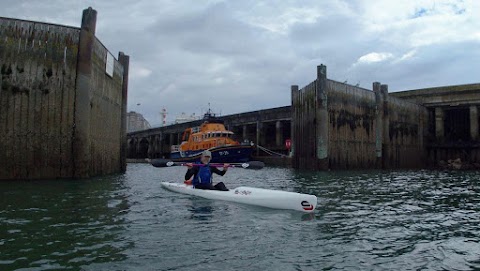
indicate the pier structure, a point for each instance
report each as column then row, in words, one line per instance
column 340, row 126
column 269, row 128
column 62, row 101
column 334, row 125
column 453, row 126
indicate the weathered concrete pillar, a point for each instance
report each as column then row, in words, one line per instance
column 161, row 144
column 474, row 122
column 244, row 132
column 422, row 126
column 293, row 129
column 439, row 123
column 150, row 148
column 279, row 133
column 81, row 132
column 378, row 124
column 260, row 137
column 322, row 117
column 386, row 127
column 138, row 148
column 125, row 61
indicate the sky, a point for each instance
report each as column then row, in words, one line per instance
column 237, row 56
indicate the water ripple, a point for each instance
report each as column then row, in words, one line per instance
column 380, row 220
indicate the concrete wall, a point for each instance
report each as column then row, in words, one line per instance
column 105, row 114
column 304, row 127
column 352, row 127
column 452, row 134
column 38, row 72
column 335, row 125
column 60, row 114
column 404, row 139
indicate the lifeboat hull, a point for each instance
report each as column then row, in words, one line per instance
column 224, row 154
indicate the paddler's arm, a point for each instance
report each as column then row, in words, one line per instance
column 218, row 171
column 190, row 172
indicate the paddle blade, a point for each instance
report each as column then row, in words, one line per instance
column 162, row 163
column 253, row 165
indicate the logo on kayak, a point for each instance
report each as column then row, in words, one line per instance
column 242, row 192
column 307, row 206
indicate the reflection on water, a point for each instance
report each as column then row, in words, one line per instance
column 201, row 209
column 53, row 224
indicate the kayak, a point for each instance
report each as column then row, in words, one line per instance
column 254, row 196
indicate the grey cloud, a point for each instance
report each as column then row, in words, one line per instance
column 218, row 52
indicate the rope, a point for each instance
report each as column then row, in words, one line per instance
column 270, row 152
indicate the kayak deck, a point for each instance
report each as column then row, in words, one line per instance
column 254, row 196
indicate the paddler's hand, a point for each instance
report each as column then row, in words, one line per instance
column 225, row 167
column 189, row 165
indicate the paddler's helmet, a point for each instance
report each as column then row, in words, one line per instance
column 207, row 153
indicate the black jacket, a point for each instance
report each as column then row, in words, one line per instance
column 194, row 171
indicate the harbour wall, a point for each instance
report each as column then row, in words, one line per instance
column 453, row 126
column 61, row 113
column 340, row 126
column 424, row 128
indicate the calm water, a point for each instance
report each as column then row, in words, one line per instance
column 401, row 220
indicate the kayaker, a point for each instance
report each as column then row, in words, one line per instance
column 202, row 173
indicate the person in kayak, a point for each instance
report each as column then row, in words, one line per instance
column 202, row 174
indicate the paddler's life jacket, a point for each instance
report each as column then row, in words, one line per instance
column 204, row 175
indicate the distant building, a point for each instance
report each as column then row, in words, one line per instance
column 136, row 122
column 185, row 118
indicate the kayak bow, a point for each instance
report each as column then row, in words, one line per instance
column 254, row 196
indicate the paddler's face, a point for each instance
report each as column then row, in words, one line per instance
column 205, row 159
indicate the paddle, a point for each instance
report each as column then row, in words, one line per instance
column 168, row 163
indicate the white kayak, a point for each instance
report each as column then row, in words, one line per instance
column 254, row 196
